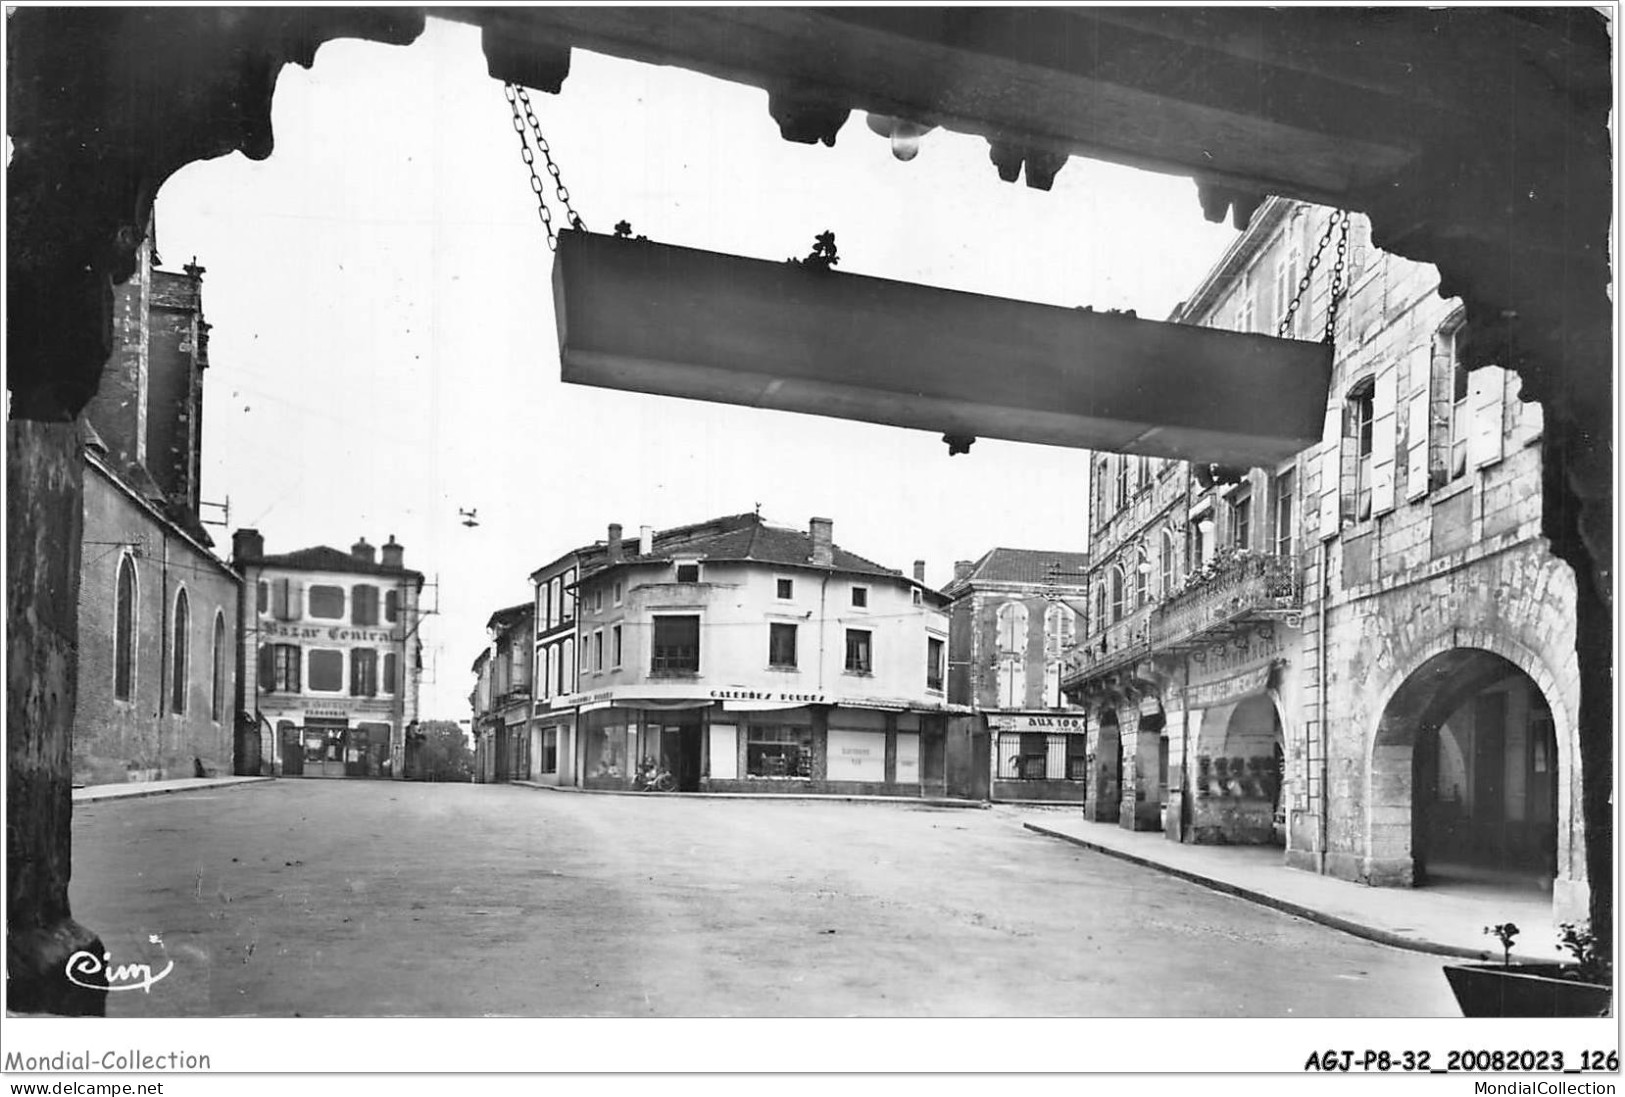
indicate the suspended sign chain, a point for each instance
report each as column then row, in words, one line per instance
column 519, row 100
column 1338, row 224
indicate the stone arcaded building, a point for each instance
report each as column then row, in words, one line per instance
column 1364, row 655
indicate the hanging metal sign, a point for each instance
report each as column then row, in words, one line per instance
column 649, row 317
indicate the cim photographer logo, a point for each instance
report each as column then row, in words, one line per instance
column 86, row 969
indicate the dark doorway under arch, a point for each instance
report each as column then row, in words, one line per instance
column 1473, row 738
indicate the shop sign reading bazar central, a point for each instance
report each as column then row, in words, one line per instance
column 336, row 635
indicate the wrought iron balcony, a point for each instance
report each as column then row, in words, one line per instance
column 1117, row 645
column 1232, row 592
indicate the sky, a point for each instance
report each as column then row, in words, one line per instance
column 383, row 352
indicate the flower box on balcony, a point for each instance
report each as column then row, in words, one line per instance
column 654, row 318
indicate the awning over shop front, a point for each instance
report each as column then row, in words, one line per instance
column 761, row 706
column 660, row 705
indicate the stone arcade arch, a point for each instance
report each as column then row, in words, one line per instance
column 1470, row 774
column 1237, row 785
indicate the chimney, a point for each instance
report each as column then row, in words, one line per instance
column 919, row 571
column 646, row 540
column 823, row 541
column 362, row 551
column 246, row 545
column 614, row 542
column 394, row 554
column 962, row 570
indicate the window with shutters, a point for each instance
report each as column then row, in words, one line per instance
column 327, row 602
column 363, row 672
column 615, row 645
column 284, row 602
column 124, row 631
column 550, row 599
column 1241, row 518
column 364, row 604
column 1358, row 413
column 933, row 663
column 1460, row 425
column 1117, row 594
column 1286, row 531
column 1121, row 498
column 567, row 667
column 391, row 669
column 598, row 649
column 179, row 652
column 1286, row 283
column 279, row 668
column 1142, row 577
column 392, row 605
column 566, row 590
column 1011, row 669
column 1170, row 563
column 262, row 597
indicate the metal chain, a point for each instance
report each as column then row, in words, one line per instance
column 1308, row 273
column 519, row 100
column 1336, row 289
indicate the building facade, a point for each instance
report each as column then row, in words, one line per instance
column 502, row 699
column 1015, row 619
column 333, row 684
column 157, row 609
column 742, row 656
column 555, row 665
column 1363, row 655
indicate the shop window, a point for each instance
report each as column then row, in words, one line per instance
column 860, row 597
column 778, row 751
column 222, row 670
column 326, row 670
column 1077, row 758
column 688, row 572
column 392, row 605
column 550, row 750
column 364, row 604
column 363, row 672
column 1023, row 756
column 786, row 589
column 279, row 668
column 179, row 652
column 606, row 750
column 391, row 669
column 781, row 645
column 327, row 602
column 933, row 663
column 859, row 655
column 124, row 632
column 676, row 648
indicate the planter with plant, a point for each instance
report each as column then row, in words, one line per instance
column 1581, row 988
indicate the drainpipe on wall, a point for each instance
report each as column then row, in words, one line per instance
column 1320, row 685
column 823, row 628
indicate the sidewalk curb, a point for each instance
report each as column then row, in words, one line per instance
column 141, row 794
column 1369, row 933
column 815, row 797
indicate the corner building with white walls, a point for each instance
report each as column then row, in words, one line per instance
column 741, row 656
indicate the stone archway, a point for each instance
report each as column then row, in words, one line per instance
column 1236, row 790
column 1105, row 769
column 1468, row 776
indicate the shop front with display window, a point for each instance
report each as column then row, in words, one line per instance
column 1039, row 756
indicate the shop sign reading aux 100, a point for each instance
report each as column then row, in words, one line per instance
column 336, row 634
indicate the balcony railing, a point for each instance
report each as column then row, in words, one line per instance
column 1229, row 591
column 1120, row 643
